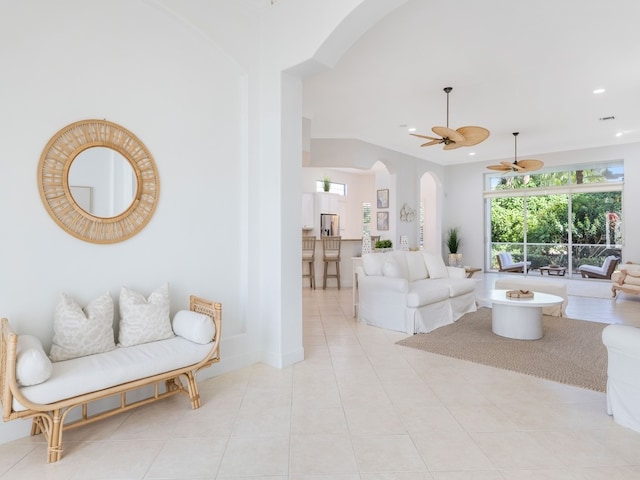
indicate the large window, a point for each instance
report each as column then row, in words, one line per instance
column 565, row 218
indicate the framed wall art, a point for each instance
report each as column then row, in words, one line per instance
column 383, row 221
column 383, row 198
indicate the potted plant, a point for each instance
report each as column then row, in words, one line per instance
column 327, row 184
column 453, row 242
column 383, row 245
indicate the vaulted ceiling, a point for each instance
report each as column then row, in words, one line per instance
column 514, row 65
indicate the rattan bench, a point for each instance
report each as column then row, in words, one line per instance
column 49, row 418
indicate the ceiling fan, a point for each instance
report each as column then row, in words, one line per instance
column 461, row 137
column 518, row 166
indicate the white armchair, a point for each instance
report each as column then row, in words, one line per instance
column 623, row 383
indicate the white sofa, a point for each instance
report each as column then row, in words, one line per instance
column 412, row 292
column 623, row 370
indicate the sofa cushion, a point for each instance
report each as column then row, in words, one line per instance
column 372, row 263
column 435, row 265
column 416, row 266
column 97, row 372
column 143, row 319
column 426, row 292
column 395, row 265
column 459, row 286
column 81, row 331
column 32, row 364
column 193, row 326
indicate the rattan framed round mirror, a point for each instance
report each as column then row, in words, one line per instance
column 56, row 193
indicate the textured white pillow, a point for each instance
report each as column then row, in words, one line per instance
column 417, row 268
column 143, row 319
column 32, row 364
column 435, row 265
column 194, row 326
column 82, row 331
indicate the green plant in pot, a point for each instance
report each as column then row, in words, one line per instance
column 326, row 184
column 383, row 245
column 453, row 242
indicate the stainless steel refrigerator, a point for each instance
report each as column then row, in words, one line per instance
column 329, row 224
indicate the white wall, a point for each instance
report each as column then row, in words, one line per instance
column 360, row 189
column 183, row 97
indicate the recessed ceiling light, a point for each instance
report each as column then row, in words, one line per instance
column 404, row 125
column 471, row 154
column 598, row 90
column 619, row 134
column 412, row 129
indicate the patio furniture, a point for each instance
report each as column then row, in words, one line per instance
column 553, row 270
column 604, row 271
column 506, row 263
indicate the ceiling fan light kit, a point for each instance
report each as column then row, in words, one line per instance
column 461, row 137
column 518, row 166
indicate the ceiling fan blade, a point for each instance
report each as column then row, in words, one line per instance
column 432, row 142
column 501, row 168
column 452, row 146
column 449, row 133
column 530, row 165
column 508, row 165
column 473, row 135
column 424, row 136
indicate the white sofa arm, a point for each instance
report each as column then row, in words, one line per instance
column 456, row 272
column 623, row 338
column 623, row 390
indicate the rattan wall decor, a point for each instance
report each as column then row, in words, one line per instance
column 53, row 181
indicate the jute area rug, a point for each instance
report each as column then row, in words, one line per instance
column 571, row 351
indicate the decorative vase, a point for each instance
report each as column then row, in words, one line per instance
column 455, row 260
column 404, row 243
column 366, row 244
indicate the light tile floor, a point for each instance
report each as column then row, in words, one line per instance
column 358, row 408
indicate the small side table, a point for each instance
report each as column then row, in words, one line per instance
column 471, row 270
column 558, row 271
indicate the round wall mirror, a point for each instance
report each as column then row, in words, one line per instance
column 102, row 182
column 98, row 181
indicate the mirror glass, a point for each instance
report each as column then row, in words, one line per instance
column 102, row 182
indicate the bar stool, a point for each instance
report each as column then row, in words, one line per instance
column 309, row 256
column 331, row 254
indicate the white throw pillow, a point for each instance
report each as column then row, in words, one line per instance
column 82, row 331
column 32, row 364
column 435, row 265
column 194, row 326
column 143, row 319
column 372, row 263
column 396, row 265
column 417, row 268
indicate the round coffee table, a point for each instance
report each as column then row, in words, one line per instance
column 519, row 318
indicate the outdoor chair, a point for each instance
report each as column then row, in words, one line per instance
column 603, row 271
column 506, row 263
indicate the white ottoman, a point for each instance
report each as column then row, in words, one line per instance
column 544, row 286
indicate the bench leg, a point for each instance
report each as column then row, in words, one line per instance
column 193, row 390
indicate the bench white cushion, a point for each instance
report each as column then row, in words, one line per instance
column 193, row 326
column 32, row 364
column 91, row 373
